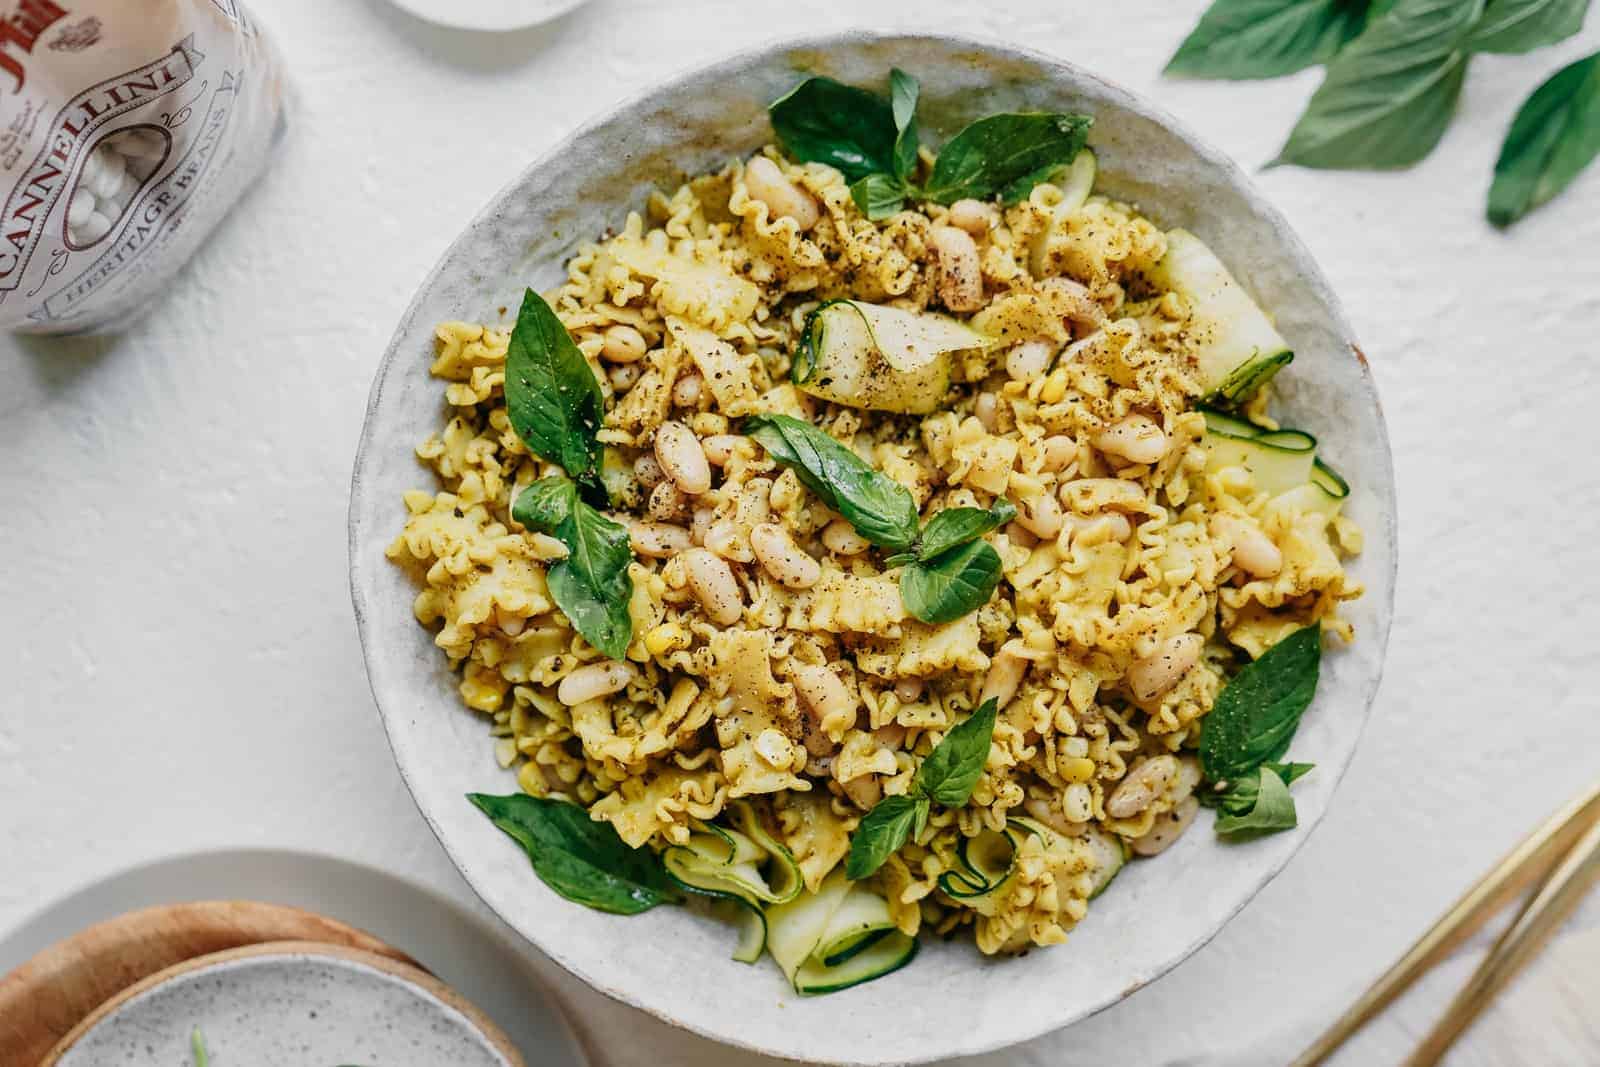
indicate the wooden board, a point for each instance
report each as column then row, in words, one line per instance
column 42, row 1000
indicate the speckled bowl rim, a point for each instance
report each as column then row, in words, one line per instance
column 431, row 988
column 969, row 1041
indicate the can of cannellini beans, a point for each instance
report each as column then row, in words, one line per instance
column 128, row 128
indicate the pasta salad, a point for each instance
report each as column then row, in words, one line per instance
column 869, row 541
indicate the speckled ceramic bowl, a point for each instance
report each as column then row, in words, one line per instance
column 670, row 961
column 288, row 1002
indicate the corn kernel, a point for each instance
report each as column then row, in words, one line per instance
column 1077, row 769
column 1055, row 387
column 668, row 637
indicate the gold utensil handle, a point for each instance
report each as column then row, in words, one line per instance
column 1519, row 869
column 1518, row 944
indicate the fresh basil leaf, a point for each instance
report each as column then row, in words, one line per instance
column 881, row 509
column 1240, row 795
column 957, row 526
column 1004, row 155
column 903, row 92
column 591, row 586
column 1256, row 714
column 1272, row 811
column 1555, row 135
column 954, row 766
column 882, row 832
column 878, row 195
column 1390, row 94
column 552, row 397
column 824, row 121
column 1266, row 38
column 952, row 584
column 1515, row 26
column 578, row 857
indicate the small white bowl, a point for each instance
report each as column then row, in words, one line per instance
column 670, row 961
column 287, row 1002
column 487, row 15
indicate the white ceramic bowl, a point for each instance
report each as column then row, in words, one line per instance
column 670, row 961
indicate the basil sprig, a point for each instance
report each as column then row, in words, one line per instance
column 951, row 584
column 1395, row 71
column 873, row 142
column 1267, row 38
column 578, row 857
column 552, row 396
column 556, row 407
column 948, row 571
column 591, row 585
column 1250, row 727
column 880, row 508
column 1388, row 96
column 952, row 571
column 1517, row 26
column 1268, row 807
column 1005, row 156
column 1555, row 135
column 953, row 527
column 947, row 777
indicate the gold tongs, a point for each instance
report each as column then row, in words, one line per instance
column 1562, row 856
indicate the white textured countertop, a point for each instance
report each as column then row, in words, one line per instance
column 181, row 664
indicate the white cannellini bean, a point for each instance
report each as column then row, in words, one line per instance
column 1077, row 802
column 864, row 792
column 648, row 471
column 1253, row 551
column 987, row 410
column 720, row 448
column 594, row 681
column 824, row 693
column 713, row 584
column 727, row 540
column 782, row 558
column 622, row 344
column 774, row 749
column 682, row 459
column 1029, row 360
column 623, row 376
column 1165, row 667
column 1097, row 529
column 80, row 207
column 784, row 199
column 667, row 502
column 687, row 389
column 1005, row 674
column 840, row 538
column 1057, row 451
column 1041, row 516
column 1142, row 786
column 908, row 690
column 96, row 227
column 1052, row 816
column 1167, row 828
column 1076, row 303
column 960, row 276
column 658, row 540
column 1136, row 438
column 700, row 524
column 103, row 174
column 974, row 216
